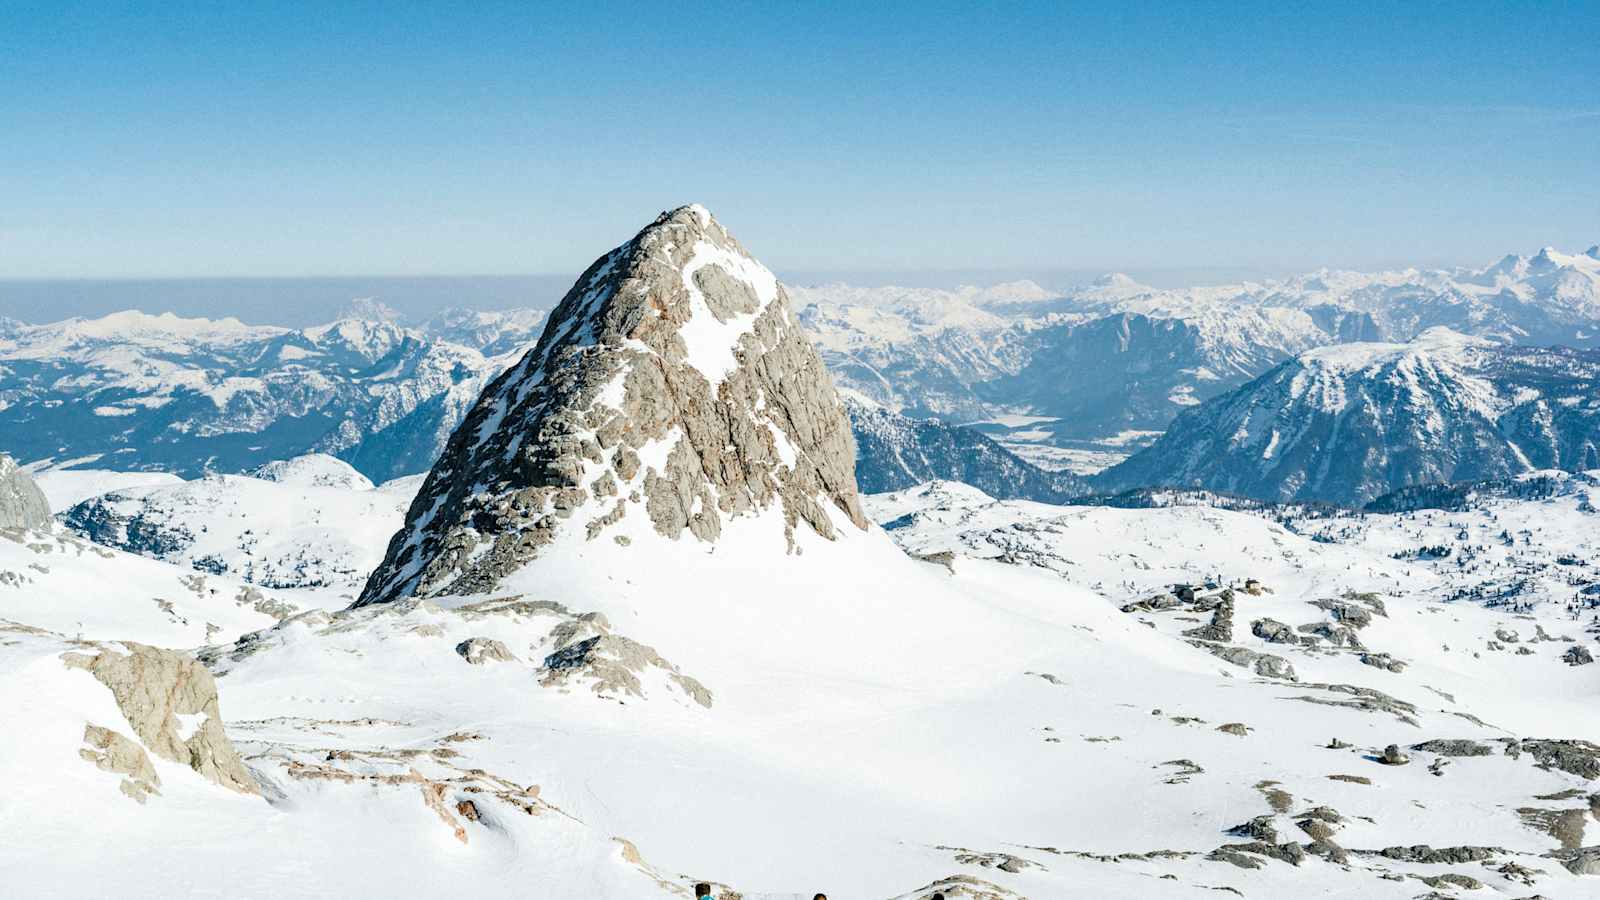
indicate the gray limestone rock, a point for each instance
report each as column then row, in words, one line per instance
column 1273, row 632
column 1383, row 661
column 22, row 504
column 1586, row 861
column 1366, row 699
column 1580, row 758
column 171, row 701
column 1289, row 852
column 1152, row 604
column 114, row 752
column 1347, row 612
column 1454, row 747
column 1259, row 828
column 1422, row 853
column 480, row 650
column 1264, row 664
column 1337, row 635
column 1220, row 628
column 673, row 375
column 612, row 665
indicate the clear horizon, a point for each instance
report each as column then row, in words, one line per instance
column 299, row 301
column 246, row 140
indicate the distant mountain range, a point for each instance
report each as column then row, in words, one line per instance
column 1050, row 378
column 190, row 396
column 1115, row 356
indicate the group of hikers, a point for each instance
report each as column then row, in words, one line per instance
column 702, row 891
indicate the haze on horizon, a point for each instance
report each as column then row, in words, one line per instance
column 238, row 140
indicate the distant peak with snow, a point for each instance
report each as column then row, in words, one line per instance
column 370, row 308
column 1435, row 342
column 672, row 397
column 1350, row 422
column 1116, row 280
column 314, row 470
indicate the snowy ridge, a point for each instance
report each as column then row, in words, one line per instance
column 1346, row 424
column 309, row 522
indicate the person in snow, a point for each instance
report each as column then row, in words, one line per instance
column 702, row 891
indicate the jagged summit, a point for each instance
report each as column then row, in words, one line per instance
column 672, row 391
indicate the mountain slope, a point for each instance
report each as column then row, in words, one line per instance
column 1348, row 424
column 894, row 452
column 309, row 522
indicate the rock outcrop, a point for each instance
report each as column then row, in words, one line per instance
column 479, row 650
column 22, row 504
column 111, row 751
column 612, row 665
column 171, row 702
column 672, row 385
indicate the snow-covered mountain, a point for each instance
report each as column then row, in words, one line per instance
column 1094, row 371
column 894, row 452
column 638, row 631
column 1351, row 422
column 189, row 396
column 918, row 351
column 492, row 333
column 312, row 521
column 1116, row 356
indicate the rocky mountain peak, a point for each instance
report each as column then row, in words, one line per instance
column 671, row 392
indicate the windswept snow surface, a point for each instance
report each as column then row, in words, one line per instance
column 876, row 723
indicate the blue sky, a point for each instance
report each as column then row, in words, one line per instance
column 273, row 139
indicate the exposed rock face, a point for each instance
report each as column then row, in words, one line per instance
column 171, row 702
column 1220, row 628
column 1273, row 632
column 1383, row 661
column 113, row 752
column 478, row 651
column 1454, row 747
column 1264, row 664
column 22, row 504
column 673, row 383
column 612, row 664
column 1580, row 758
